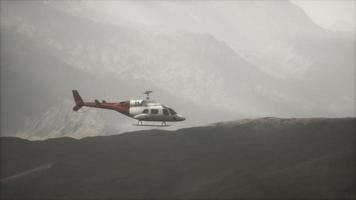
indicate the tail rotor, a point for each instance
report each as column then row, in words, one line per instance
column 78, row 100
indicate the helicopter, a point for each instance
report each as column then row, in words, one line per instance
column 141, row 110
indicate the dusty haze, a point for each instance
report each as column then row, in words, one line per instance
column 211, row 61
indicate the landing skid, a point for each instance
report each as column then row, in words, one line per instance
column 155, row 125
column 139, row 123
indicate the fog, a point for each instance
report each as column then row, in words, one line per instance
column 211, row 61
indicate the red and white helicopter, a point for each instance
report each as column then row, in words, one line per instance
column 141, row 110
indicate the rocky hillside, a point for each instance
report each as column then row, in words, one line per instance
column 267, row 158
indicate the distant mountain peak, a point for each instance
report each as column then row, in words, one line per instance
column 61, row 121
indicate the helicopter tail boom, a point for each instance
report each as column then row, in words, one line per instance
column 122, row 107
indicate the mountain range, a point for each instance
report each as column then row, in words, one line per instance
column 210, row 61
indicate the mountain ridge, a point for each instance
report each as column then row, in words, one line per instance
column 263, row 121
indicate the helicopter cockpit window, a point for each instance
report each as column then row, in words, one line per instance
column 172, row 111
column 154, row 111
column 165, row 111
column 145, row 111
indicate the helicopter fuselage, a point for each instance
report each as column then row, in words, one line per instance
column 144, row 110
column 141, row 110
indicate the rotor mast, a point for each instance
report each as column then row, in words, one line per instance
column 147, row 92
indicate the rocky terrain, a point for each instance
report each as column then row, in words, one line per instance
column 266, row 158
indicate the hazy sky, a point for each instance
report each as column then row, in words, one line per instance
column 327, row 13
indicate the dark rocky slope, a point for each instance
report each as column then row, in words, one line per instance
column 261, row 158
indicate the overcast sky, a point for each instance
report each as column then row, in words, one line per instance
column 336, row 15
column 331, row 14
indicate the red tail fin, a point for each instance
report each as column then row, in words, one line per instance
column 78, row 100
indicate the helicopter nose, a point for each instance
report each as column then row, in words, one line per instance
column 180, row 117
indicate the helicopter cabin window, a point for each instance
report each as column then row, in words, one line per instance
column 165, row 112
column 154, row 111
column 145, row 111
column 123, row 103
column 172, row 111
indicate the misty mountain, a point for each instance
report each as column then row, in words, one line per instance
column 270, row 158
column 48, row 70
column 341, row 25
column 267, row 34
column 60, row 121
column 277, row 38
column 49, row 48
